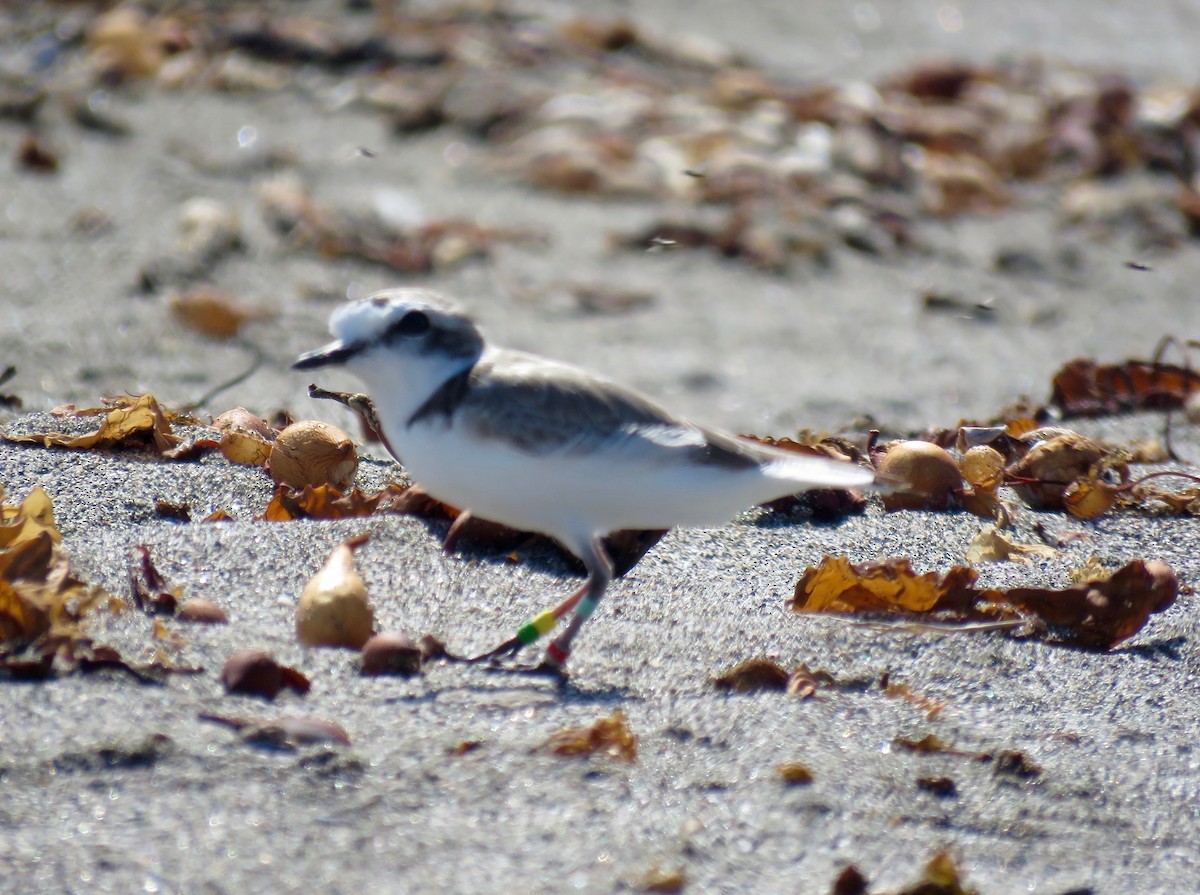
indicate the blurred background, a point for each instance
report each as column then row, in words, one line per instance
column 771, row 217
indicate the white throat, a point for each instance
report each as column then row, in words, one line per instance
column 401, row 382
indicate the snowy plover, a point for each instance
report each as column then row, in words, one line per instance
column 546, row 447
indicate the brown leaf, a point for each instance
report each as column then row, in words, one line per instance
column 23, row 523
column 1096, row 614
column 327, row 502
column 992, row 545
column 131, row 422
column 36, row 155
column 931, row 745
column 608, row 736
column 794, row 774
column 256, row 673
column 282, row 733
column 201, row 611
column 167, row 509
column 1084, row 387
column 941, row 877
column 1101, row 614
column 754, row 676
column 943, row 787
column 836, row 585
column 151, row 593
column 38, row 593
column 850, row 882
column 1043, row 476
column 931, row 707
column 213, row 312
column 1014, row 763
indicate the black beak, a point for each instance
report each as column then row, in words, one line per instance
column 330, row 355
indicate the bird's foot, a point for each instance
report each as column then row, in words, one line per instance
column 506, row 650
column 541, row 669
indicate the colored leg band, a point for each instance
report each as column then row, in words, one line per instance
column 556, row 654
column 541, row 624
column 585, row 608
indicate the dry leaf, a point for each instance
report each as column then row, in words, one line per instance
column 213, row 312
column 754, row 676
column 38, row 593
column 1086, row 388
column 23, row 523
column 282, row 733
column 132, row 422
column 931, row 745
column 1043, row 476
column 1014, row 763
column 1100, row 614
column 850, row 882
column 608, row 736
column 943, row 787
column 665, row 880
column 256, row 673
column 941, row 877
column 151, row 593
column 794, row 774
column 1095, row 615
column 836, row 585
column 327, row 502
column 931, row 707
column 992, row 545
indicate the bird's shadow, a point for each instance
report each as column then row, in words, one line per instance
column 496, row 544
column 801, row 510
column 495, row 678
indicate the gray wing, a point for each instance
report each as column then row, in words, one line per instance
column 542, row 408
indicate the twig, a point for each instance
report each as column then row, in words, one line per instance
column 259, row 360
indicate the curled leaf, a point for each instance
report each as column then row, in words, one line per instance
column 992, row 545
column 1097, row 614
column 34, row 515
column 607, row 736
column 132, row 422
column 213, row 312
column 256, row 673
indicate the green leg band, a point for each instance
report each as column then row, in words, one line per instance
column 541, row 624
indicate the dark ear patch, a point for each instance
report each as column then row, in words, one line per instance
column 414, row 323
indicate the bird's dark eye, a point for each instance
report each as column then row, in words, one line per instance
column 414, row 323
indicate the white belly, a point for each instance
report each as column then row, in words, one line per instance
column 576, row 495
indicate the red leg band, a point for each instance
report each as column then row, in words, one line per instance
column 556, row 655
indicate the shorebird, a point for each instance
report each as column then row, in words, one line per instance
column 546, row 447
